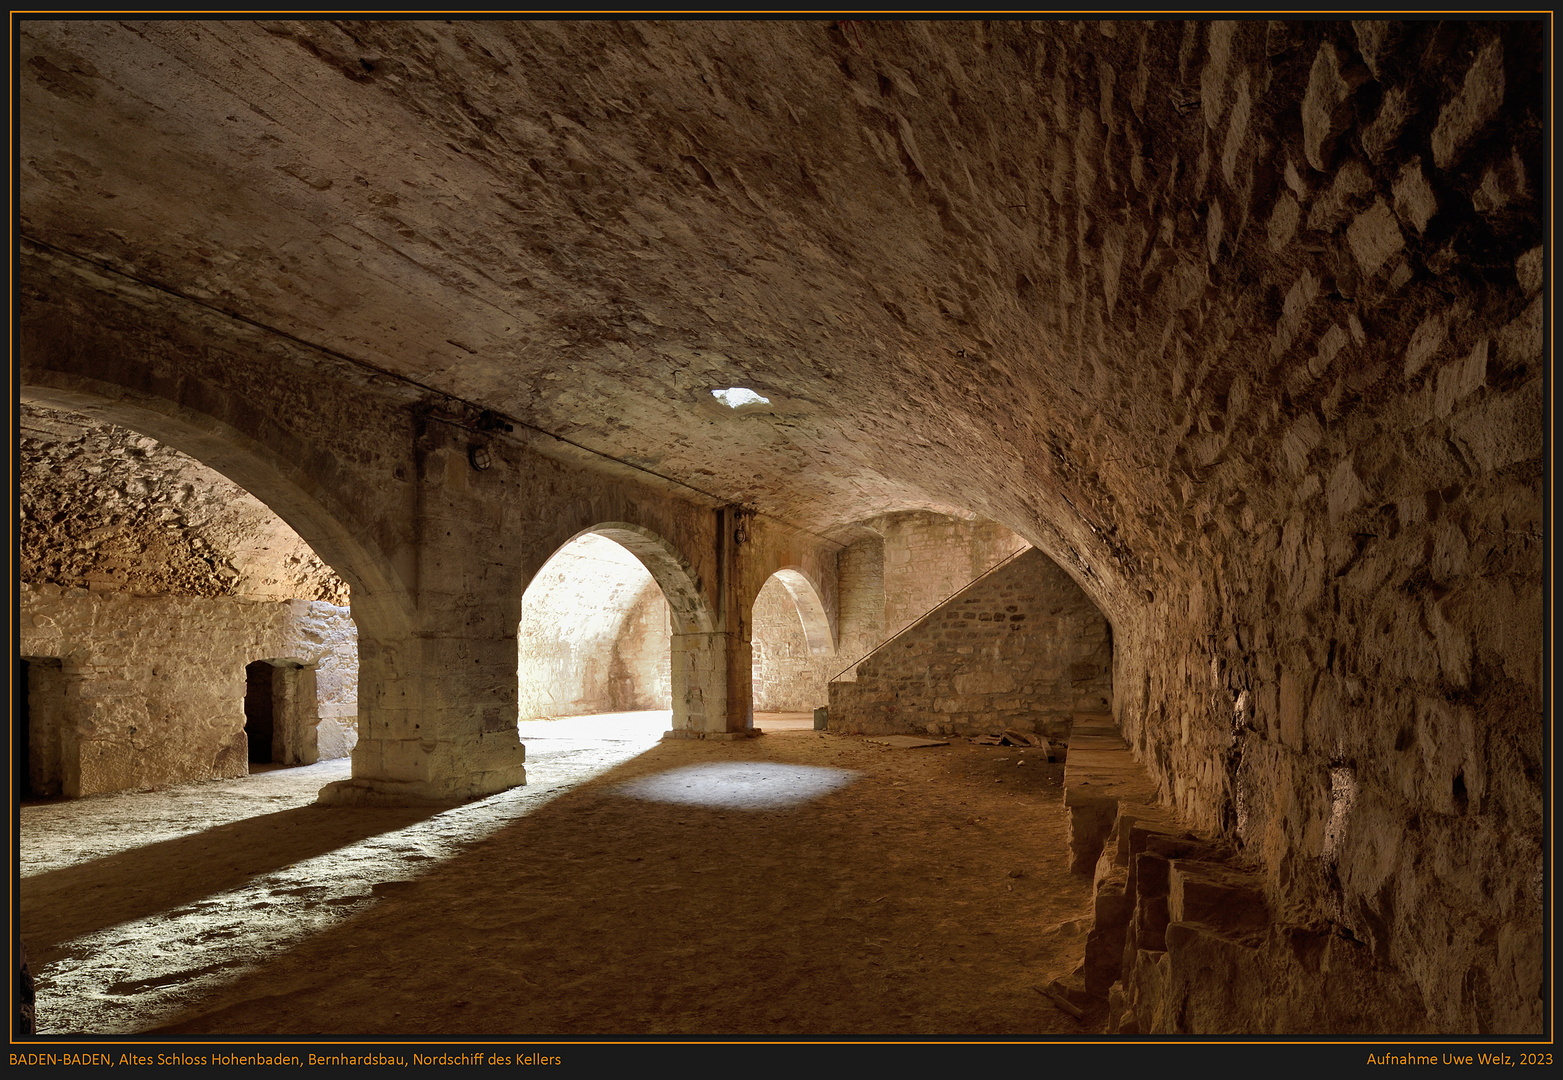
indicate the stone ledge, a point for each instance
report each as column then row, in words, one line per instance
column 420, row 792
column 1100, row 776
column 1183, row 942
column 1286, row 980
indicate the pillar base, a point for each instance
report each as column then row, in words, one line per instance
column 452, row 792
column 725, row 736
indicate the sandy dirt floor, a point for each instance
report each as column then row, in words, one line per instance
column 796, row 883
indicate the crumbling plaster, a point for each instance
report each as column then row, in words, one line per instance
column 107, row 509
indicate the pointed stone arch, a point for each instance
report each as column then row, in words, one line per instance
column 805, row 594
column 691, row 613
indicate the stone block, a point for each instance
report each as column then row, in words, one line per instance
column 1520, row 341
column 1426, row 340
column 1293, row 709
column 1459, row 379
column 1152, row 914
column 1215, row 896
column 1334, row 203
column 1152, row 874
column 1120, row 1015
column 1332, row 81
column 1528, row 269
column 1380, row 137
column 1472, row 107
column 1503, row 429
column 1373, row 237
column 1104, row 944
column 1090, row 820
column 1415, row 203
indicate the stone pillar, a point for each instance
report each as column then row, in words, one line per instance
column 712, row 688
column 436, row 722
column 437, row 695
column 713, row 673
column 295, row 715
column 739, row 710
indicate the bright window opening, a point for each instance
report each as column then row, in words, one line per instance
column 735, row 396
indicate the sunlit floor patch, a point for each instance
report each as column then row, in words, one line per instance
column 66, row 832
column 745, row 785
column 134, row 975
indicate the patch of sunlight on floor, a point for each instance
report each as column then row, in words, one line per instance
column 739, row 785
column 66, row 832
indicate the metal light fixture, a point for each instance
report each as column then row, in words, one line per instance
column 479, row 456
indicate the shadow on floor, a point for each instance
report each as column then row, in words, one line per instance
column 59, row 905
column 929, row 895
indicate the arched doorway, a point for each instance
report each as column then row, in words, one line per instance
column 596, row 674
column 595, row 635
column 793, row 651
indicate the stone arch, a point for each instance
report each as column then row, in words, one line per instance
column 381, row 602
column 791, row 643
column 697, row 660
column 806, row 597
column 595, row 634
column 691, row 614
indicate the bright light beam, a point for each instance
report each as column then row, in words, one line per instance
column 138, row 974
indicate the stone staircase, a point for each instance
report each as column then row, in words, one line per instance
column 1019, row 648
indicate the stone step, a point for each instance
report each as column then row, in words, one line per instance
column 1221, row 897
column 1117, row 903
column 1153, row 878
column 1100, row 774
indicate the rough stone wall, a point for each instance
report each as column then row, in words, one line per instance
column 336, row 688
column 641, row 670
column 913, row 562
column 787, row 676
column 594, row 634
column 862, row 577
column 104, row 508
column 1339, row 663
column 107, row 511
column 1022, row 648
column 153, row 687
column 928, row 557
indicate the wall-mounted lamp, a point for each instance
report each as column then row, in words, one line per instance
column 480, row 457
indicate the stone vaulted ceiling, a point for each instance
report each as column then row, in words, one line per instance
column 1052, row 272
